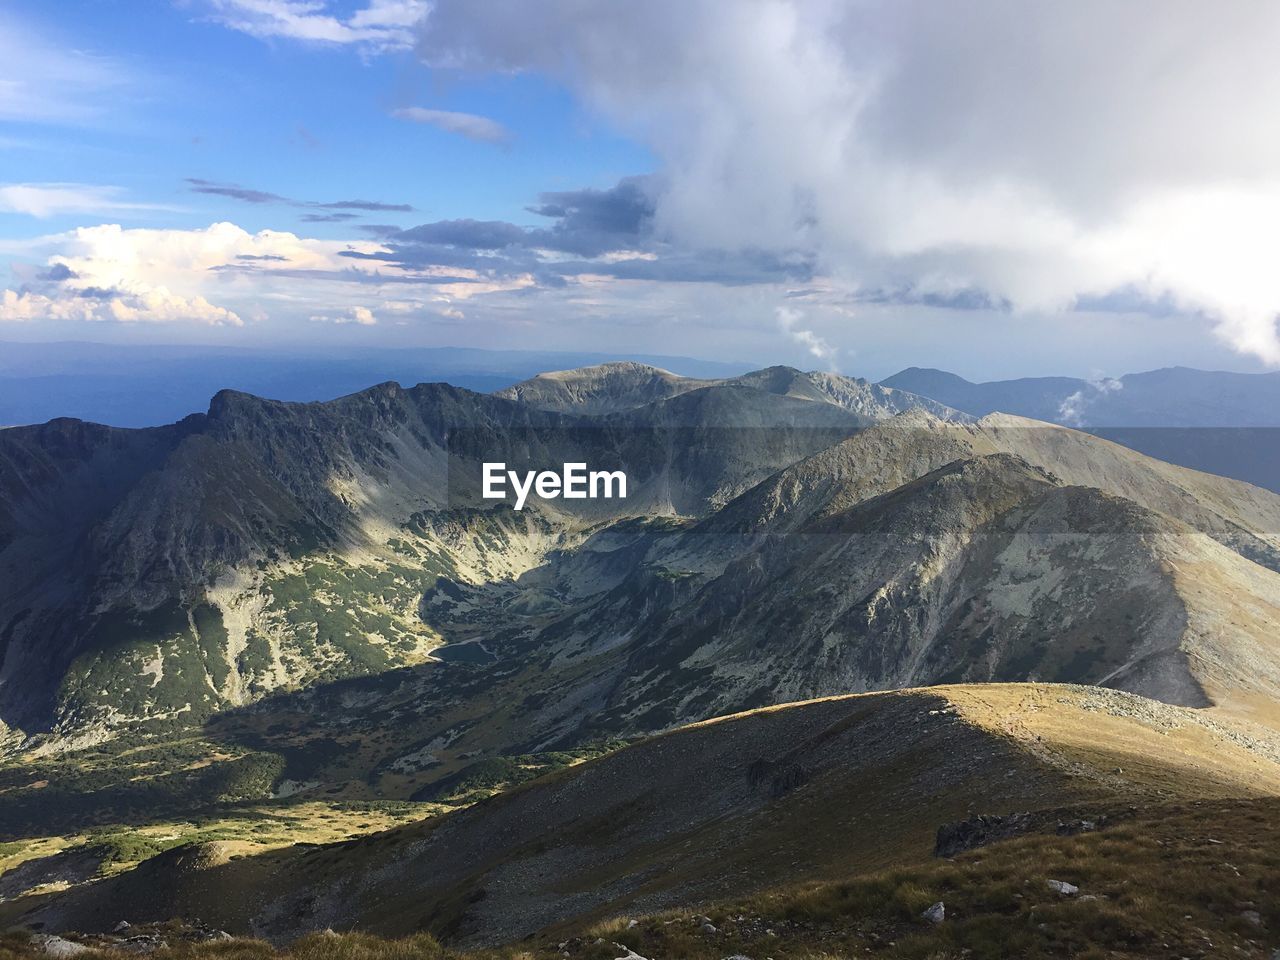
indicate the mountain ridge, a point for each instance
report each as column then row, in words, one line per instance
column 267, row 545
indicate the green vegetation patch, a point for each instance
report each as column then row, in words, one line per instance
column 149, row 663
column 126, row 782
column 337, row 619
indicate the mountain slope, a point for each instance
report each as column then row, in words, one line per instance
column 1242, row 517
column 985, row 569
column 725, row 808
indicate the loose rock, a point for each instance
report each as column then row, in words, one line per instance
column 53, row 946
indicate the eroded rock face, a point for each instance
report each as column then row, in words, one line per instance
column 979, row 831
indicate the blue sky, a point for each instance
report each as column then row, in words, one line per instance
column 856, row 186
column 312, row 121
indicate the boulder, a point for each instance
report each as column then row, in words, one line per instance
column 54, row 946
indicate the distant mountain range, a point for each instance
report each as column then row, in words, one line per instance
column 141, row 386
column 1173, row 397
column 1219, row 422
column 145, row 386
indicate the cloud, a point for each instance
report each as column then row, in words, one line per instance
column 222, row 274
column 471, row 234
column 597, row 234
column 378, row 26
column 591, row 222
column 361, row 316
column 42, row 81
column 235, row 191
column 1038, row 156
column 789, row 321
column 469, row 125
column 372, row 206
column 1073, row 408
column 53, row 199
column 108, row 273
column 147, row 305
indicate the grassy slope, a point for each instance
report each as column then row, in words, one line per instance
column 740, row 807
column 1190, row 879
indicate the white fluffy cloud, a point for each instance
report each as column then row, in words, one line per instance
column 789, row 320
column 144, row 305
column 1036, row 154
column 361, row 316
column 108, row 273
column 224, row 275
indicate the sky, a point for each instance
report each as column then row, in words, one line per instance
column 995, row 188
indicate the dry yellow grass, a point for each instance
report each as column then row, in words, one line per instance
column 1197, row 879
column 840, row 863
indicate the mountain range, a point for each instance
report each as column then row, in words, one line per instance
column 157, row 573
column 274, row 606
column 1171, row 397
column 145, row 385
column 1220, row 422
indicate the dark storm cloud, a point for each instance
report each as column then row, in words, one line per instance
column 592, row 222
column 472, row 234
column 412, row 256
column 603, row 233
